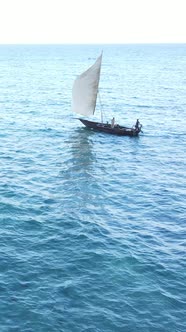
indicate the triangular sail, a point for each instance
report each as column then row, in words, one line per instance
column 85, row 89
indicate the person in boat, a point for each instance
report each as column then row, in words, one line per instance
column 113, row 123
column 137, row 124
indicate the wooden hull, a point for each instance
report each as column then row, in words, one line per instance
column 106, row 128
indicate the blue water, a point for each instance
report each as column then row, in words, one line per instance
column 92, row 226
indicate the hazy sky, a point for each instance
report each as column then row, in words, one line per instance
column 92, row 21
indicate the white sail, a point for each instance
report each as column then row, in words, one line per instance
column 85, row 89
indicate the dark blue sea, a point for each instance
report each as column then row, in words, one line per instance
column 92, row 226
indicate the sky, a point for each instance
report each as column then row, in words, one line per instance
column 92, row 21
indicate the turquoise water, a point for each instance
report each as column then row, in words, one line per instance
column 92, row 226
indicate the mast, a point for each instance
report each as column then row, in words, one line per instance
column 101, row 106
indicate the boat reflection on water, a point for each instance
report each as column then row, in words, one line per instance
column 81, row 149
column 78, row 178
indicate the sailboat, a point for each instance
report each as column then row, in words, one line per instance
column 84, row 98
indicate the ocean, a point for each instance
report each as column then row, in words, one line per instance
column 92, row 226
